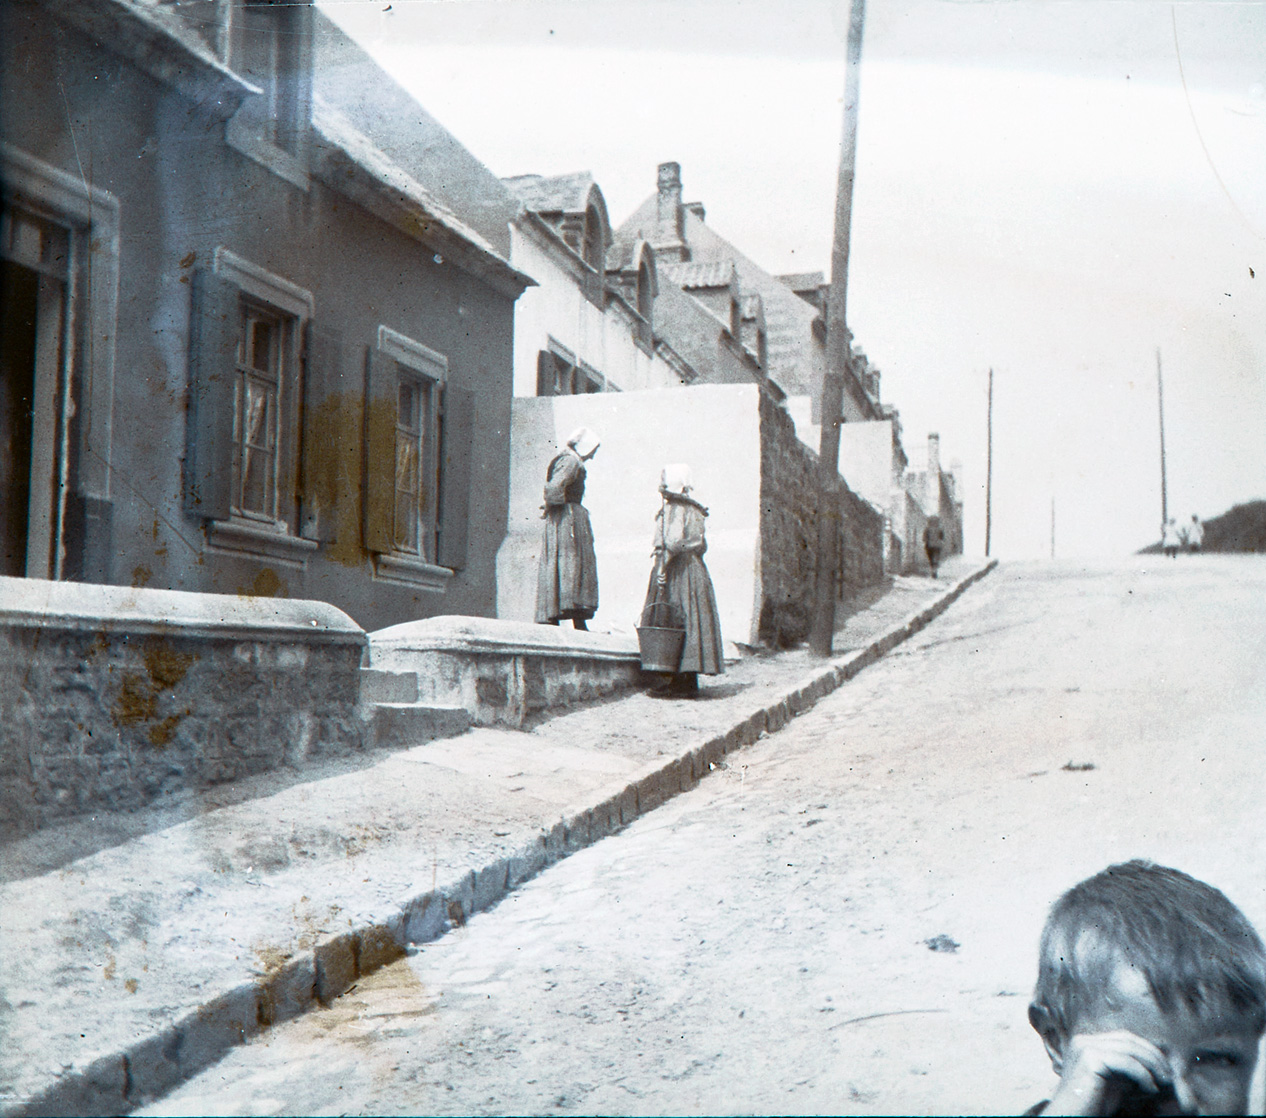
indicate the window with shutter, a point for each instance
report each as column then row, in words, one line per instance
column 417, row 471
column 242, row 462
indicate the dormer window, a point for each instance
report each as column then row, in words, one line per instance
column 592, row 249
column 645, row 293
column 266, row 41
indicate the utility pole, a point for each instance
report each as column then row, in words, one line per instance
column 989, row 468
column 838, row 352
column 1160, row 404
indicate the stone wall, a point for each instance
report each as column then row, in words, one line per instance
column 789, row 496
column 505, row 672
column 111, row 697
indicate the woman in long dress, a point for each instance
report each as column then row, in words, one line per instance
column 681, row 579
column 567, row 582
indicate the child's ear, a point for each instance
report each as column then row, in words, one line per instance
column 1043, row 1021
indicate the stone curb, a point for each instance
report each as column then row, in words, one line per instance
column 158, row 1062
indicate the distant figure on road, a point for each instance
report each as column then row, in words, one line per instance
column 567, row 582
column 1171, row 541
column 681, row 579
column 934, row 542
column 1195, row 534
column 1151, row 996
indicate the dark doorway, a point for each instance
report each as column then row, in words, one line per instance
column 19, row 297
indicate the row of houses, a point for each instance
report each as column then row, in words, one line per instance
column 270, row 329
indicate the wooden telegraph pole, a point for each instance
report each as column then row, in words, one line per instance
column 989, row 468
column 822, row 629
column 1160, row 404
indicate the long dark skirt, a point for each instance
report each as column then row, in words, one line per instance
column 567, row 583
column 688, row 589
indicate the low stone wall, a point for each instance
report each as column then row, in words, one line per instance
column 111, row 697
column 790, row 493
column 503, row 672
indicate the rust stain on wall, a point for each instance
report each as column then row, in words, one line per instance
column 332, row 470
column 266, row 584
column 137, row 701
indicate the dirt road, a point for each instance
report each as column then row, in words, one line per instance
column 845, row 918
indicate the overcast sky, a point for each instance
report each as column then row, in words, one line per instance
column 1036, row 192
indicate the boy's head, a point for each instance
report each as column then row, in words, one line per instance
column 1150, row 951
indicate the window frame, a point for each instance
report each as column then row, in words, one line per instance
column 292, row 308
column 425, row 369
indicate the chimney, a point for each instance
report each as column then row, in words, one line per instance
column 668, row 241
column 934, row 460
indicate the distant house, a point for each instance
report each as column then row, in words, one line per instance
column 258, row 314
column 574, row 332
column 779, row 325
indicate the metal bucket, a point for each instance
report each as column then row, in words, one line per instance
column 661, row 648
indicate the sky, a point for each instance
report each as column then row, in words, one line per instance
column 1054, row 189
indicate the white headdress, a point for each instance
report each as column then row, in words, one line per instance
column 583, row 441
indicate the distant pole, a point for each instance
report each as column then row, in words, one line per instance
column 1160, row 404
column 989, row 468
column 822, row 629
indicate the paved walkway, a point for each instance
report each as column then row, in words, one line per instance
column 134, row 950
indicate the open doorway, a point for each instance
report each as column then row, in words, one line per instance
column 34, row 393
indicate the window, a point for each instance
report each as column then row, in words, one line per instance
column 256, row 412
column 418, row 448
column 558, row 373
column 243, row 454
column 270, row 46
column 593, row 249
column 415, row 438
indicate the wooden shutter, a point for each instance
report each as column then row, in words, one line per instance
column 381, row 402
column 455, row 460
column 546, row 374
column 325, row 441
column 213, row 339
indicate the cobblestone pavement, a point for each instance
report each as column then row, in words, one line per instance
column 844, row 918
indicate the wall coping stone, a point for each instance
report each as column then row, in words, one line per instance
column 491, row 635
column 33, row 603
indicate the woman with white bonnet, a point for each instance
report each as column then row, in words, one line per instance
column 567, row 586
column 681, row 578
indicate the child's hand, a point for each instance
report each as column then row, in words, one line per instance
column 1102, row 1069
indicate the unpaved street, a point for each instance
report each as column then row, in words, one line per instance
column 845, row 918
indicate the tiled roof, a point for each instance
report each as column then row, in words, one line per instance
column 553, row 193
column 376, row 106
column 700, row 273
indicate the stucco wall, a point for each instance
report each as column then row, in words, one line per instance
column 557, row 308
column 713, row 428
column 183, row 192
column 113, row 697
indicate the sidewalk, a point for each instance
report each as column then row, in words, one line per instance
column 128, row 965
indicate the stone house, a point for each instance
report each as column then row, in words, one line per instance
column 781, row 324
column 258, row 314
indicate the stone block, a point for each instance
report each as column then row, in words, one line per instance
column 335, row 966
column 628, row 806
column 490, row 885
column 648, row 792
column 153, row 1066
column 526, row 863
column 212, row 1029
column 380, row 944
column 426, row 918
column 287, row 991
column 460, row 899
column 555, row 841
column 378, row 686
column 579, row 831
